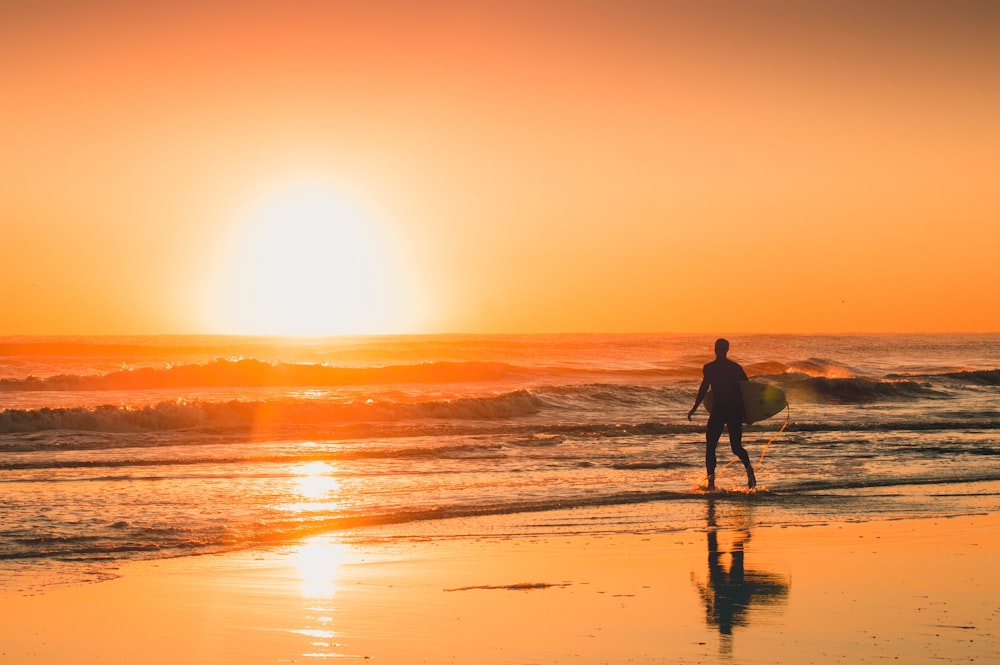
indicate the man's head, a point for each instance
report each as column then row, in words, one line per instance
column 721, row 348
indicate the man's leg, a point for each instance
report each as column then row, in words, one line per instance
column 712, row 434
column 735, row 426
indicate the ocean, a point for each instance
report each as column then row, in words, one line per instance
column 114, row 449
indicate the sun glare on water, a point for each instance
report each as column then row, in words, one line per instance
column 315, row 481
column 307, row 261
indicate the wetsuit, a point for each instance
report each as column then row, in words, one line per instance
column 724, row 376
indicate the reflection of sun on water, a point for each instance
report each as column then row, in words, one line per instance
column 314, row 491
column 318, row 560
column 314, row 480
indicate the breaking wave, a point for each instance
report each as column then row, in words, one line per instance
column 988, row 377
column 828, row 377
column 253, row 373
column 257, row 373
column 246, row 414
column 859, row 390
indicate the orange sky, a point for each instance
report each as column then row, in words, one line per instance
column 341, row 167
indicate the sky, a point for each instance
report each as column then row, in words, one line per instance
column 312, row 167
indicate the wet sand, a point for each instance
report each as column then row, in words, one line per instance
column 909, row 590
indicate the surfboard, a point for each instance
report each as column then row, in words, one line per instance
column 760, row 400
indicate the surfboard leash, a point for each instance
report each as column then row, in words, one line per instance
column 766, row 445
column 775, row 436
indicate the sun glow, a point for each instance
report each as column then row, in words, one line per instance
column 308, row 261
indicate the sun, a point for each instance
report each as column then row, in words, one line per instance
column 307, row 260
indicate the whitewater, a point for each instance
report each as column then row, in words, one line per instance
column 114, row 449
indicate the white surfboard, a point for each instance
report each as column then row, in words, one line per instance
column 760, row 400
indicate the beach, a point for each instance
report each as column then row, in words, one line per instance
column 902, row 590
column 495, row 499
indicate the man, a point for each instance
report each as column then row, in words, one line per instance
column 723, row 376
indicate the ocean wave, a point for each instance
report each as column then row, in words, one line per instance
column 257, row 373
column 822, row 368
column 982, row 377
column 514, row 434
column 860, row 390
column 897, row 426
column 605, row 397
column 810, row 368
column 986, row 377
column 237, row 414
column 814, row 368
column 431, row 452
column 250, row 372
column 648, row 466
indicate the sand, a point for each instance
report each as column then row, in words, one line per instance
column 908, row 591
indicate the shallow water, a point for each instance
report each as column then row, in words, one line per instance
column 114, row 449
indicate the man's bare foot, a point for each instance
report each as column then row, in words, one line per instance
column 711, row 483
column 751, row 479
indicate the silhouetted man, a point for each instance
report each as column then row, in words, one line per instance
column 723, row 376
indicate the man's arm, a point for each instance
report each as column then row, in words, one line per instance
column 702, row 391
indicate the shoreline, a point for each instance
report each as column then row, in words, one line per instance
column 920, row 589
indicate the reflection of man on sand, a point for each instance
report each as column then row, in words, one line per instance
column 730, row 593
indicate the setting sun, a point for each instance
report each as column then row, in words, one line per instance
column 307, row 261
